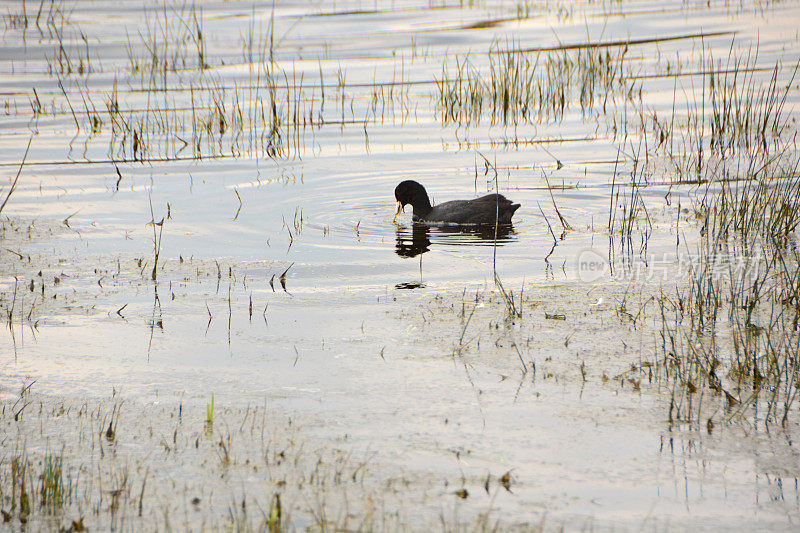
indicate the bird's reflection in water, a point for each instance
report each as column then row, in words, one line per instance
column 418, row 238
column 415, row 240
column 412, row 241
column 410, row 285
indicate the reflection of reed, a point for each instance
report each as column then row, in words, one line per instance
column 418, row 238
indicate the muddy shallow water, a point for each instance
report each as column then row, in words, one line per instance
column 396, row 385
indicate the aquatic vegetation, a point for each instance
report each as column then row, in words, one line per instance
column 401, row 378
column 733, row 331
column 520, row 86
column 210, row 412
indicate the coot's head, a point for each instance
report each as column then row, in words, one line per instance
column 410, row 192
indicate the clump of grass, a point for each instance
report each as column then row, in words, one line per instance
column 733, row 334
column 51, row 486
column 728, row 346
column 16, row 21
column 752, row 369
column 210, row 119
column 20, row 498
column 172, row 41
column 210, row 413
column 746, row 116
column 274, row 516
column 521, row 87
column 736, row 125
column 764, row 206
column 628, row 216
column 53, row 490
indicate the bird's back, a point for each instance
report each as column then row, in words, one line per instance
column 484, row 210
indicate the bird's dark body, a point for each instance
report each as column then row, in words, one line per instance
column 484, row 210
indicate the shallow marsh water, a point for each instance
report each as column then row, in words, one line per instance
column 394, row 386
